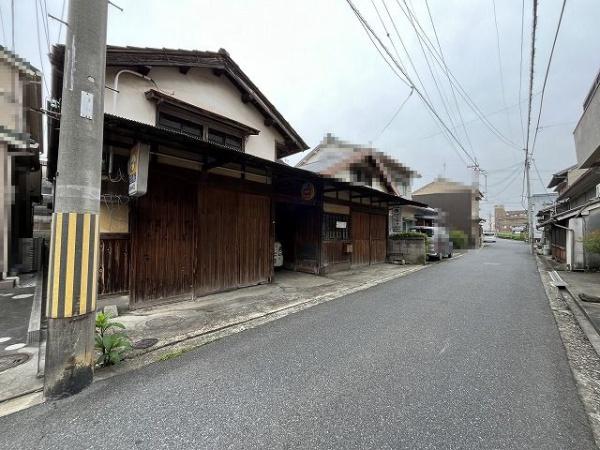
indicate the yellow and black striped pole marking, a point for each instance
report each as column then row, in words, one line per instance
column 72, row 273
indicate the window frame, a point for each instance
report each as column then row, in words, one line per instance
column 332, row 234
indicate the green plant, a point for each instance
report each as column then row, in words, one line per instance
column 591, row 242
column 459, row 239
column 110, row 343
column 408, row 234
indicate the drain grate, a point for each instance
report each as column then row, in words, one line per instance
column 144, row 343
column 14, row 360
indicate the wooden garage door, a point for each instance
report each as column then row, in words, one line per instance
column 369, row 238
column 360, row 238
column 254, row 238
column 233, row 244
column 162, row 239
column 378, row 235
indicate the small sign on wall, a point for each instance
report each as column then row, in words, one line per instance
column 340, row 224
column 139, row 159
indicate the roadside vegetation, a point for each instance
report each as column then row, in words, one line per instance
column 459, row 239
column 591, row 242
column 111, row 344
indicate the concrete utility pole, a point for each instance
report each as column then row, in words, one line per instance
column 73, row 252
column 529, row 217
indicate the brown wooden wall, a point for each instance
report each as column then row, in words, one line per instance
column 162, row 239
column 369, row 238
column 361, row 230
column 378, row 238
column 234, row 245
column 113, row 263
column 190, row 239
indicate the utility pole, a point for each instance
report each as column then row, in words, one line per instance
column 529, row 217
column 72, row 274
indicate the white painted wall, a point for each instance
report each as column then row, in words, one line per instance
column 199, row 87
column 11, row 100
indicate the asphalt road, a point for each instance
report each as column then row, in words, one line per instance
column 464, row 354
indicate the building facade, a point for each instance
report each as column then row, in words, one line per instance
column 457, row 203
column 366, row 166
column 20, row 147
column 194, row 196
column 506, row 221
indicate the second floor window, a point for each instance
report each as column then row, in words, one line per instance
column 183, row 126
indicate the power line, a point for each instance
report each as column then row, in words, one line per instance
column 37, row 29
column 537, row 126
column 4, row 42
column 45, row 23
column 500, row 60
column 433, row 77
column 405, row 74
column 416, row 72
column 62, row 18
column 521, row 69
column 539, row 176
column 395, row 114
column 462, row 92
column 462, row 120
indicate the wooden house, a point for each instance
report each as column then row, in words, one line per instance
column 194, row 194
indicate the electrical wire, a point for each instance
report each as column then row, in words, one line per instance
column 537, row 126
column 500, row 60
column 4, row 42
column 62, row 19
column 37, row 29
column 521, row 70
column 433, row 77
column 416, row 72
column 462, row 120
column 405, row 74
column 45, row 24
column 394, row 116
column 462, row 92
column 539, row 176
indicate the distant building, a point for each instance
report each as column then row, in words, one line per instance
column 505, row 221
column 20, row 147
column 459, row 204
column 366, row 166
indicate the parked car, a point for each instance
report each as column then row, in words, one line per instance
column 489, row 236
column 439, row 243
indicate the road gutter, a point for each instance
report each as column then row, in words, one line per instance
column 581, row 343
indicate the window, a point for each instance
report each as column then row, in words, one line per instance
column 182, row 125
column 227, row 140
column 359, row 175
column 188, row 125
column 336, row 227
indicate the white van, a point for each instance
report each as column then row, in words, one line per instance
column 489, row 236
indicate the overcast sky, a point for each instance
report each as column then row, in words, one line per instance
column 314, row 61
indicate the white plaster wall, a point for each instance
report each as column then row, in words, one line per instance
column 11, row 100
column 199, row 87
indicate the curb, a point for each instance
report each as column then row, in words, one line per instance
column 277, row 313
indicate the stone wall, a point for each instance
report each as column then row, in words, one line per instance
column 411, row 250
